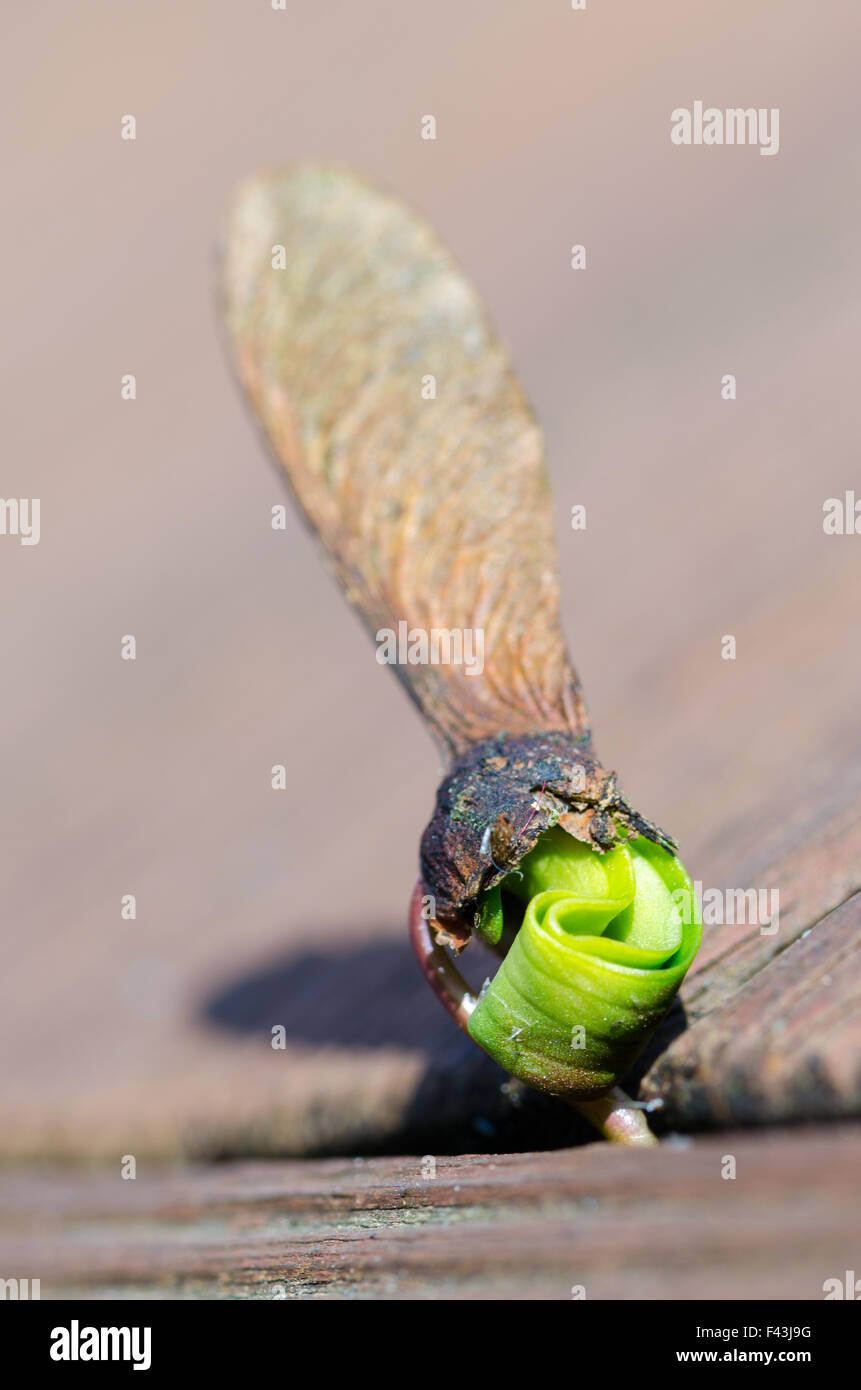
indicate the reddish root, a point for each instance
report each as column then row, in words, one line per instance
column 437, row 966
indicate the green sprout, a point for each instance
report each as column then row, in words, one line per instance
column 603, row 944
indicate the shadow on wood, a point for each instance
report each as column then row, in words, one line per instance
column 372, row 996
column 343, row 996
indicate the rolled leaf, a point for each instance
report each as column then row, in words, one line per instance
column 604, row 945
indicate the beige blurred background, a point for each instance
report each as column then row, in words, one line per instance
column 704, row 517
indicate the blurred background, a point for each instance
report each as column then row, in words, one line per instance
column 152, row 777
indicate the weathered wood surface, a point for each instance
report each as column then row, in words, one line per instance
column 786, row 1044
column 646, row 1225
column 704, row 517
column 774, row 1020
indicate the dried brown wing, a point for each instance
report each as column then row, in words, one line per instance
column 434, row 511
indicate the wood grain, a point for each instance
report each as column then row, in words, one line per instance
column 787, row 1045
column 655, row 1225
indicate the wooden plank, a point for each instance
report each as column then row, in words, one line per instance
column 817, row 868
column 654, row 1224
column 768, row 1026
column 785, row 1046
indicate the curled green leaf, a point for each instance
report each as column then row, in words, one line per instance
column 603, row 947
